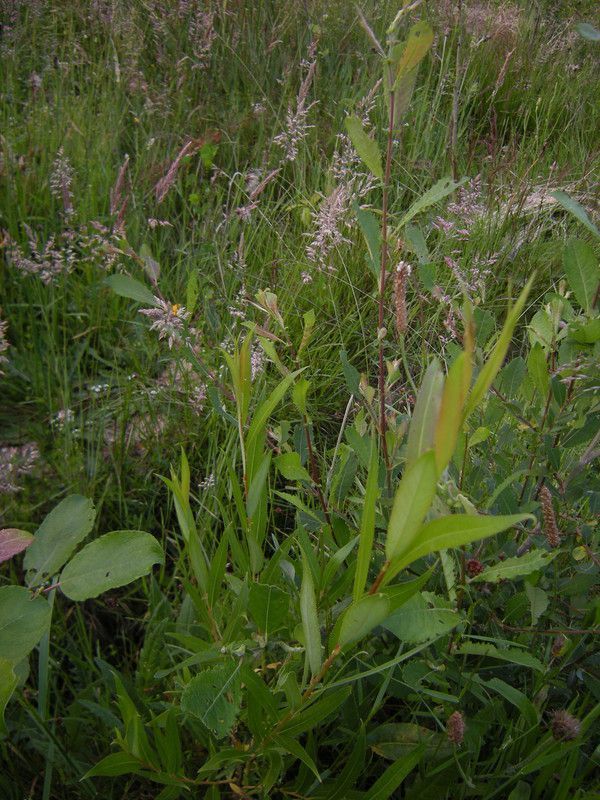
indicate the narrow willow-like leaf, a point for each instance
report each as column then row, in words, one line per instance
column 511, row 654
column 325, row 705
column 125, row 286
column 516, row 567
column 422, row 425
column 294, row 748
column 451, row 410
column 386, row 785
column 577, row 210
column 453, row 531
column 583, row 272
column 266, row 408
column 361, row 617
column 412, row 501
column 369, row 226
column 367, row 148
column 492, row 366
column 437, row 192
column 404, row 64
column 258, row 485
column 367, row 525
column 310, row 619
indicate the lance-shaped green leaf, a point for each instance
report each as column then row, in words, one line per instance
column 538, row 369
column 517, row 567
column 13, row 541
column 450, row 416
column 385, row 786
column 294, row 748
column 412, row 501
column 582, row 269
column 323, row 706
column 371, row 232
column 310, row 619
column 403, row 65
column 492, row 366
column 57, row 537
column 266, row 408
column 577, row 210
column 454, row 530
column 437, row 192
column 23, row 621
column 113, row 560
column 125, row 286
column 367, row 524
column 360, row 618
column 422, row 425
column 367, row 148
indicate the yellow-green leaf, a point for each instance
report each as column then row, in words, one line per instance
column 412, row 501
column 367, row 148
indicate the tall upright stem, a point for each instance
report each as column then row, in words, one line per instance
column 382, row 283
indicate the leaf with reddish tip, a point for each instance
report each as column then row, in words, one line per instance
column 13, row 541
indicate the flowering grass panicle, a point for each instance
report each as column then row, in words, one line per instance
column 170, row 320
column 16, row 462
column 328, row 220
column 296, row 121
column 61, row 180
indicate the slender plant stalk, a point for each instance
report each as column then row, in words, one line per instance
column 382, row 284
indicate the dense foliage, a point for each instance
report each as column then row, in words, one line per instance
column 299, row 350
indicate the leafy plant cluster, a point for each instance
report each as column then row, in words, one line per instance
column 400, row 601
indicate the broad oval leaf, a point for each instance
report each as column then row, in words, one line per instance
column 361, row 617
column 268, row 606
column 214, row 697
column 367, row 148
column 126, row 286
column 394, row 740
column 57, row 537
column 412, row 501
column 23, row 621
column 113, row 560
column 13, row 541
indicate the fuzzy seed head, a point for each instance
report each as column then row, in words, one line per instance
column 455, row 728
column 565, row 727
column 550, row 526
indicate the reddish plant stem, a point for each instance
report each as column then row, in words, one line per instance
column 382, row 284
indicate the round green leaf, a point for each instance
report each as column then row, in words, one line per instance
column 113, row 560
column 23, row 621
